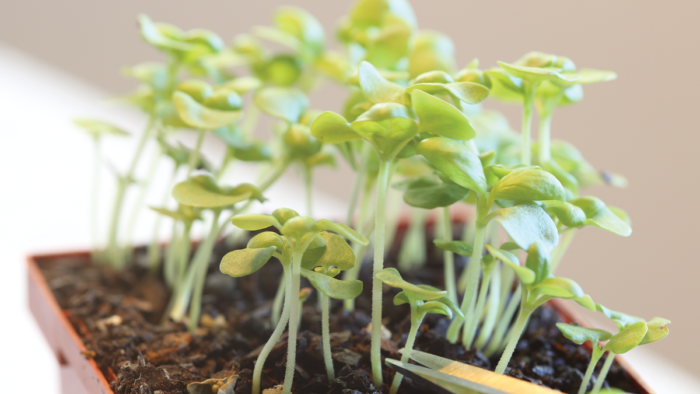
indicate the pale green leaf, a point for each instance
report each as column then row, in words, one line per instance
column 528, row 184
column 657, row 330
column 391, row 277
column 579, row 335
column 527, row 224
column 254, row 222
column 198, row 116
column 267, row 239
column 558, row 288
column 627, row 339
column 282, row 103
column 343, row 230
column 468, row 92
column 333, row 288
column 97, row 128
column 377, row 89
column 245, row 261
column 525, row 275
column 335, row 253
column 459, row 247
column 439, row 117
column 440, row 195
column 201, row 191
column 284, row 214
column 456, row 161
column 332, row 128
column 599, row 215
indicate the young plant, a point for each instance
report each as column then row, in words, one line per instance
column 97, row 130
column 298, row 233
column 538, row 287
column 581, row 335
column 201, row 191
column 320, row 268
column 422, row 299
column 389, row 126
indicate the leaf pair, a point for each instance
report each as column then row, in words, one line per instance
column 591, row 211
column 202, row 108
column 201, row 191
column 426, row 298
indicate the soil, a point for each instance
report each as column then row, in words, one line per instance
column 119, row 317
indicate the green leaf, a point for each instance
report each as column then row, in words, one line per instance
column 599, row 215
column 284, row 214
column 570, row 215
column 431, row 50
column 242, row 84
column 198, row 116
column 558, row 288
column 538, row 261
column 527, row 224
column 627, row 339
column 198, row 90
column 331, row 287
column 455, row 160
column 299, row 226
column 469, row 92
column 439, row 117
column 567, row 180
column 401, row 298
column 588, row 76
column 435, row 307
column 528, row 184
column 245, row 261
column 154, row 36
column 335, row 253
column 525, row 275
column 332, row 128
column 177, row 215
column 440, row 195
column 579, row 335
column 586, row 302
column 388, row 137
column 537, row 74
column 254, row 222
column 657, row 330
column 267, row 239
column 390, row 44
column 433, row 77
column 224, row 100
column 377, row 89
column 623, row 318
column 282, row 103
column 391, row 277
column 459, row 247
column 299, row 141
column 302, row 25
column 98, row 128
column 201, row 191
column 343, row 230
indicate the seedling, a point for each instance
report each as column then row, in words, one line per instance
column 298, row 233
column 422, row 299
column 538, row 287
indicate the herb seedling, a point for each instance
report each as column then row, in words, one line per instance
column 299, row 233
column 422, row 299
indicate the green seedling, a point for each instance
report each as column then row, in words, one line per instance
column 97, row 130
column 422, row 299
column 201, row 191
column 300, row 237
column 389, row 126
column 538, row 286
column 580, row 335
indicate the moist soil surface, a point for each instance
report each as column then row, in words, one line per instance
column 119, row 316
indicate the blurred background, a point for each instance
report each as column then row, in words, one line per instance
column 59, row 60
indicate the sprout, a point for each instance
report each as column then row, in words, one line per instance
column 303, row 245
column 422, row 299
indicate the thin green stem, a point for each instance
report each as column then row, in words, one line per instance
column 154, row 247
column 272, row 341
column 449, row 257
column 560, row 250
column 358, row 249
column 308, row 183
column 416, row 320
column 358, row 182
column 277, row 303
column 544, row 148
column 194, row 155
column 113, row 251
column 326, row 337
column 603, row 373
column 200, row 263
column 293, row 296
column 528, row 100
column 518, row 328
column 503, row 323
column 170, row 263
column 379, row 231
column 469, row 329
column 595, row 356
column 412, row 252
column 94, row 220
column 472, row 278
column 492, row 308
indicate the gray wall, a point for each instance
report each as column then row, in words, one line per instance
column 643, row 125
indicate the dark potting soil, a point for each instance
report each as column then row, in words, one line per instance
column 119, row 316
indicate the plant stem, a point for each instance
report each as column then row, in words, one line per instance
column 560, row 250
column 113, row 252
column 277, row 303
column 326, row 337
column 528, row 100
column 492, row 308
column 293, row 297
column 358, row 182
column 412, row 252
column 358, row 249
column 309, row 186
column 518, row 328
column 272, row 341
column 472, row 282
column 170, row 263
column 603, row 373
column 449, row 256
column 503, row 323
column 469, row 329
column 379, row 230
column 154, row 246
column 545, row 136
column 416, row 320
column 595, row 356
column 194, row 155
column 94, row 226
